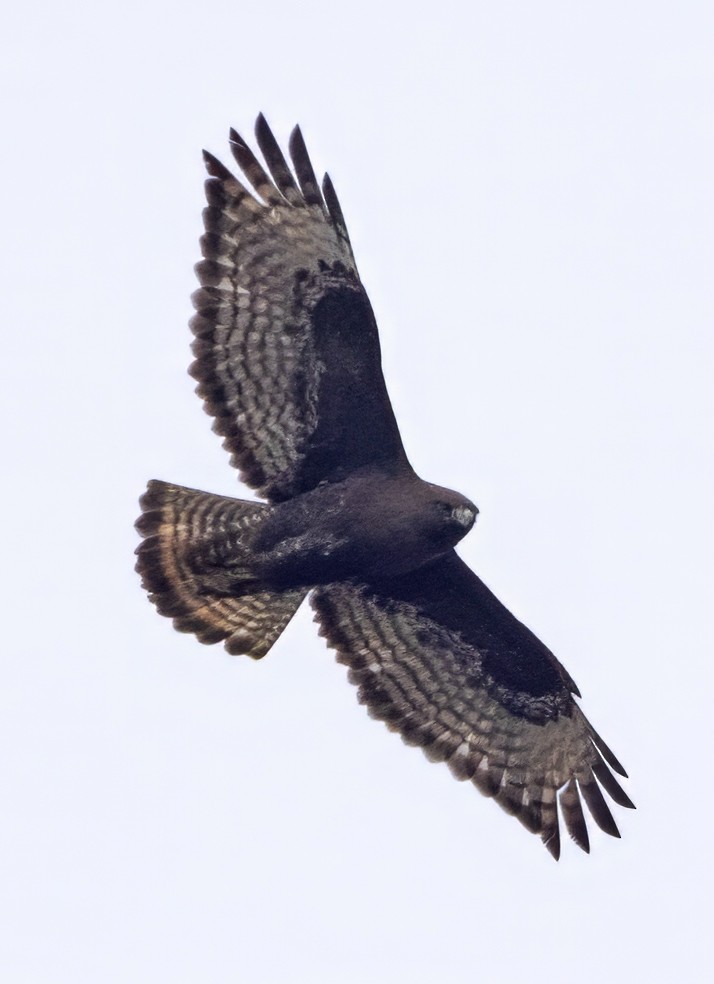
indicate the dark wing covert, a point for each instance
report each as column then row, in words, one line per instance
column 439, row 659
column 287, row 351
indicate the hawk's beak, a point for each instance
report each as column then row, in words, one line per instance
column 465, row 515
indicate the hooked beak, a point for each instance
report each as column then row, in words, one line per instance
column 465, row 515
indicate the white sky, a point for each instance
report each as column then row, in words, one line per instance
column 528, row 188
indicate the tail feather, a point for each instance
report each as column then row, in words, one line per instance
column 195, row 572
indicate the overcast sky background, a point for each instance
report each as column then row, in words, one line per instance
column 528, row 187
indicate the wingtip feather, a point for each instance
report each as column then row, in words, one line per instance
column 552, row 844
column 215, row 168
column 235, row 138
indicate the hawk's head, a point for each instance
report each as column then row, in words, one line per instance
column 450, row 515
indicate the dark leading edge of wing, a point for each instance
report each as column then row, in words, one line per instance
column 287, row 352
column 439, row 659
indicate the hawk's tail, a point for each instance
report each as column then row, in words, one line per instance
column 183, row 531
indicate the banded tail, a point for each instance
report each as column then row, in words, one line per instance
column 194, row 571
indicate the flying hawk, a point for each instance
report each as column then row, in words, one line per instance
column 288, row 364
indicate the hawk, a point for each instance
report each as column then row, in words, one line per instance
column 287, row 361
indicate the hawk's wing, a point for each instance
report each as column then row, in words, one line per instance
column 287, row 352
column 440, row 660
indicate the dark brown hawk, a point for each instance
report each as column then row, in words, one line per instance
column 288, row 363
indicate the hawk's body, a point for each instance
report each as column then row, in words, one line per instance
column 288, row 363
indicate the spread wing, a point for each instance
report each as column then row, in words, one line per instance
column 287, row 352
column 440, row 660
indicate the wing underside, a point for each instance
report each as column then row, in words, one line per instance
column 287, row 351
column 526, row 744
